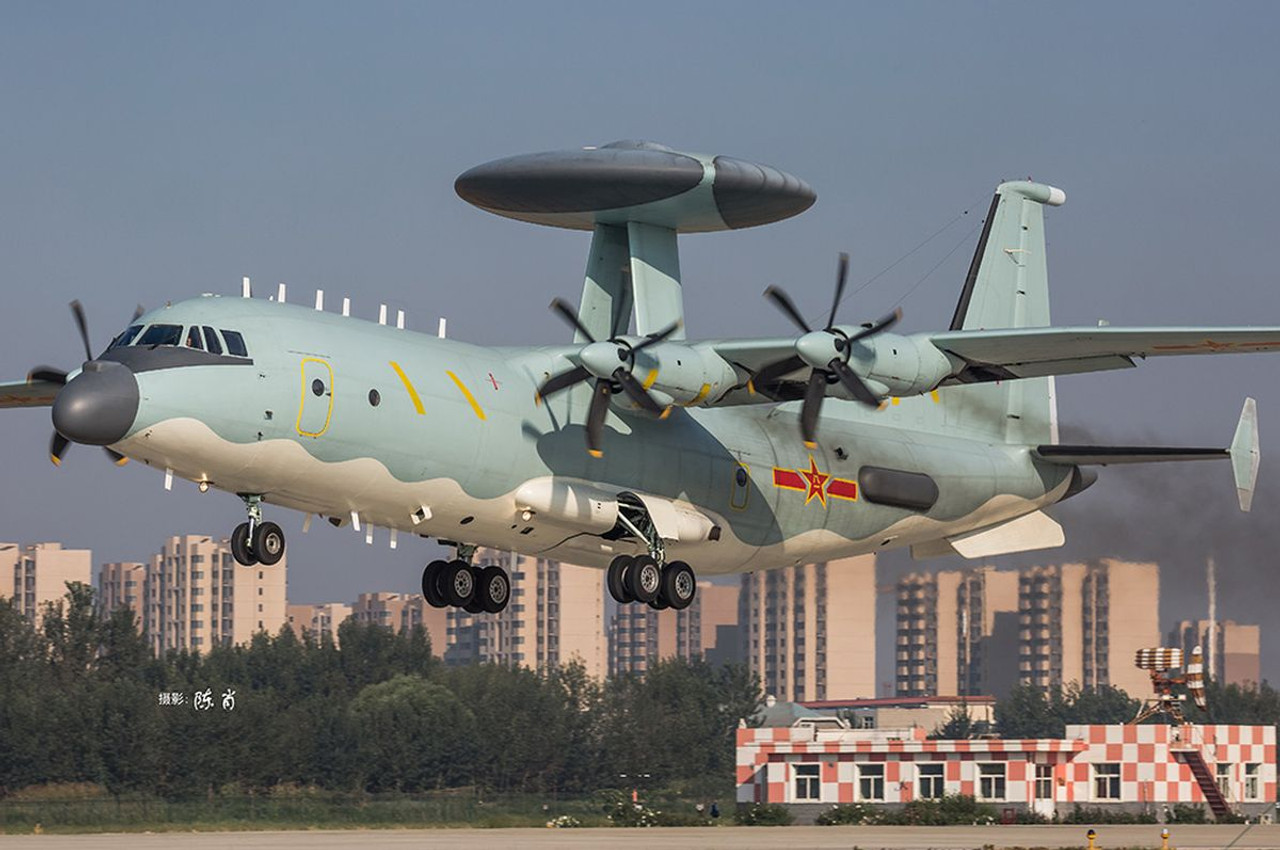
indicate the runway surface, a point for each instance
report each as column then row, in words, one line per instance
column 721, row 838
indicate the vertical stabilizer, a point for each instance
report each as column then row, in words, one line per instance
column 1008, row 287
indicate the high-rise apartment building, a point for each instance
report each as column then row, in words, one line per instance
column 197, row 596
column 809, row 631
column 1237, row 657
column 957, row 633
column 1083, row 623
column 123, row 585
column 401, row 612
column 555, row 616
column 37, row 574
column 706, row 630
column 320, row 620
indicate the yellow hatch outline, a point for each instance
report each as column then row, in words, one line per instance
column 475, row 405
column 302, row 405
column 413, row 394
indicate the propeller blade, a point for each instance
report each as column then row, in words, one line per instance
column 47, row 373
column 773, row 371
column 813, row 396
column 77, row 310
column 116, row 458
column 562, row 381
column 570, row 315
column 58, row 448
column 595, row 418
column 638, row 393
column 855, row 385
column 783, row 303
column 881, row 324
column 842, row 274
column 654, row 339
column 137, row 312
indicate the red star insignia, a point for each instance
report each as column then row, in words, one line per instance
column 817, row 483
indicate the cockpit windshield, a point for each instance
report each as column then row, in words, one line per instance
column 161, row 335
column 125, row 337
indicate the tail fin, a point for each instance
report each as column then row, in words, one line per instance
column 1008, row 287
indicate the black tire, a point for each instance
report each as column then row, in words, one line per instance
column 617, row 579
column 431, row 584
column 268, row 543
column 679, row 585
column 457, row 583
column 644, row 579
column 493, row 589
column 660, row 604
column 240, row 546
column 473, row 607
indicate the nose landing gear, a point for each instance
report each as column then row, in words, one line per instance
column 256, row 542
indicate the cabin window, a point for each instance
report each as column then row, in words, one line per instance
column 126, row 337
column 161, row 335
column 375, row 398
column 235, row 343
column 211, row 341
column 194, row 340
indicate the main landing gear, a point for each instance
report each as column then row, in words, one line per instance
column 639, row 579
column 460, row 584
column 256, row 541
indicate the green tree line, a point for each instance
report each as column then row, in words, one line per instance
column 81, row 701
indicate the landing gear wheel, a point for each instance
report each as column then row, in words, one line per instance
column 431, row 584
column 617, row 579
column 644, row 579
column 679, row 585
column 660, row 604
column 268, row 543
column 494, row 589
column 476, row 605
column 240, row 546
column 473, row 607
column 457, row 583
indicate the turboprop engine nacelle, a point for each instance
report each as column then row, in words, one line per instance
column 687, row 375
column 902, row 365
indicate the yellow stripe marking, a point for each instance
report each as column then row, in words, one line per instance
column 896, row 401
column 936, row 398
column 475, row 405
column 413, row 394
column 651, row 380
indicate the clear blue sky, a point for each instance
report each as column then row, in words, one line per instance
column 155, row 151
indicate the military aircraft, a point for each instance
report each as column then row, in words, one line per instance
column 633, row 448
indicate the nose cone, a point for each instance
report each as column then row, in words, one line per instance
column 98, row 406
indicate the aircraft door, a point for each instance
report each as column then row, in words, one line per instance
column 316, row 408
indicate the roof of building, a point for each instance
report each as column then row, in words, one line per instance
column 897, row 702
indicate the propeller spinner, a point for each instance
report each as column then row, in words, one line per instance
column 826, row 351
column 609, row 362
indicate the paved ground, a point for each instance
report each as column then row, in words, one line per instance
column 737, row 838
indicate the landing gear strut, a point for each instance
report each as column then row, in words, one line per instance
column 460, row 584
column 256, row 541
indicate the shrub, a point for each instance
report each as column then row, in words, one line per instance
column 763, row 814
column 564, row 822
column 850, row 813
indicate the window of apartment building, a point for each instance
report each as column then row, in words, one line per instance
column 1252, row 773
column 1223, row 773
column 196, row 606
column 1106, row 781
column 871, row 781
column 1044, row 782
column 991, row 781
column 932, row 781
column 808, row 782
column 196, row 575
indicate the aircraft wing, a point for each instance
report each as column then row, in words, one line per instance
column 29, row 393
column 1035, row 352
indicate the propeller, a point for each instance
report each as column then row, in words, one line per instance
column 609, row 362
column 827, row 351
column 59, row 444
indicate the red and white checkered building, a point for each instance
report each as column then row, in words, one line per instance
column 819, row 764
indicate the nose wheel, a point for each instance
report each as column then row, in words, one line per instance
column 257, row 541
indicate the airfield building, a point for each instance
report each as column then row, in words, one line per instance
column 37, row 574
column 809, row 631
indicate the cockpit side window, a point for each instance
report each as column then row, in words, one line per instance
column 193, row 338
column 211, row 341
column 235, row 343
column 125, row 337
column 161, row 335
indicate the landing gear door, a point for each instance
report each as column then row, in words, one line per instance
column 316, row 407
